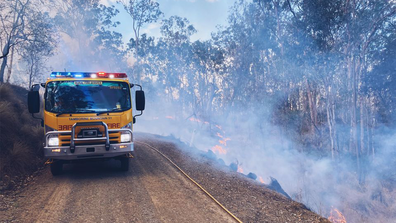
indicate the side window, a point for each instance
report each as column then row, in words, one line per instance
column 49, row 96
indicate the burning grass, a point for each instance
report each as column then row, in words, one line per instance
column 336, row 216
column 20, row 136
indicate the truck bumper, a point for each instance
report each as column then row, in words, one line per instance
column 88, row 151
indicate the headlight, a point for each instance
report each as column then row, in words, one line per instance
column 53, row 141
column 126, row 137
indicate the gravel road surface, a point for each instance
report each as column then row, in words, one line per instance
column 152, row 191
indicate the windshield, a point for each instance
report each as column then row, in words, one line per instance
column 87, row 96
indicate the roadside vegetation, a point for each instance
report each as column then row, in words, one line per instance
column 20, row 137
column 308, row 86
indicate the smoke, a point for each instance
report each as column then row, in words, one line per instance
column 250, row 137
column 74, row 56
column 263, row 151
column 257, row 145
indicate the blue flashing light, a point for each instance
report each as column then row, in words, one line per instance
column 87, row 75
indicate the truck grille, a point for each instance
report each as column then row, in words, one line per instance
column 64, row 139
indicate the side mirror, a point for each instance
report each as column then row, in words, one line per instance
column 140, row 100
column 34, row 102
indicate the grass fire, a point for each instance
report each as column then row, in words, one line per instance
column 296, row 96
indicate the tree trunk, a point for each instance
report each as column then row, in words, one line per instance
column 31, row 74
column 371, row 122
column 10, row 67
column 330, row 111
column 312, row 107
column 353, row 141
column 4, row 63
column 362, row 141
column 330, row 130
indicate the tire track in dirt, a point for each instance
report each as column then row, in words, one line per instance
column 152, row 191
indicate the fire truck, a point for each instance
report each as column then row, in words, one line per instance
column 86, row 115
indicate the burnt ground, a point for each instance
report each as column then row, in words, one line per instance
column 151, row 191
column 249, row 200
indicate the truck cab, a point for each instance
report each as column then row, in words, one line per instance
column 86, row 115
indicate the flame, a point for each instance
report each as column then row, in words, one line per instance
column 219, row 149
column 170, row 117
column 336, row 216
column 240, row 169
column 222, row 141
column 261, row 180
column 194, row 120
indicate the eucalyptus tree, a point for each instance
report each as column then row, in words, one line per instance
column 208, row 60
column 339, row 44
column 355, row 32
column 255, row 43
column 86, row 29
column 175, row 39
column 40, row 46
column 142, row 12
column 23, row 24
column 14, row 28
column 150, row 56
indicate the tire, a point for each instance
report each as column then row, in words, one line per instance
column 56, row 168
column 124, row 164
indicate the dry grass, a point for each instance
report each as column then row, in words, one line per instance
column 20, row 135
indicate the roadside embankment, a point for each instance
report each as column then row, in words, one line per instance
column 20, row 138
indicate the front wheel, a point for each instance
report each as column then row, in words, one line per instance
column 124, row 163
column 56, row 168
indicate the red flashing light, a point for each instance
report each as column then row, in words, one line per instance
column 102, row 74
column 111, row 75
column 88, row 75
column 120, row 75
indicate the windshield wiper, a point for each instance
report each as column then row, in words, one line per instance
column 79, row 111
column 112, row 110
column 86, row 111
column 61, row 113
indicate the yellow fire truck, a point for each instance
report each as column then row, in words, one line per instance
column 87, row 115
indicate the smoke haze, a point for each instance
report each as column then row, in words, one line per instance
column 299, row 91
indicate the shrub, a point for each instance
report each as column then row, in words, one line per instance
column 21, row 136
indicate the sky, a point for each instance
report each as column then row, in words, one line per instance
column 204, row 15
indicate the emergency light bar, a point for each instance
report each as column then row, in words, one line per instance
column 87, row 75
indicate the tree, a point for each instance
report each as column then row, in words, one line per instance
column 176, row 33
column 177, row 30
column 142, row 12
column 13, row 28
column 39, row 47
column 209, row 64
column 24, row 28
column 86, row 27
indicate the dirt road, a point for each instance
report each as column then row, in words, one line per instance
column 152, row 191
